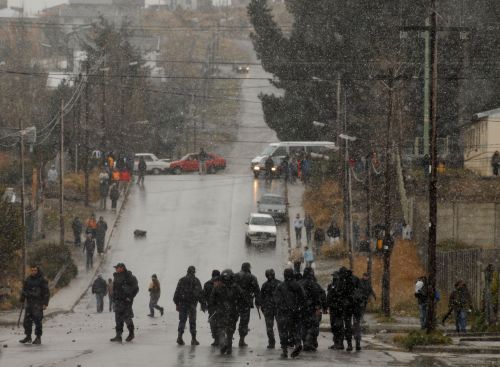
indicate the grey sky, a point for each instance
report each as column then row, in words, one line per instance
column 32, row 6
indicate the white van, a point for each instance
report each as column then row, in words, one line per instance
column 290, row 148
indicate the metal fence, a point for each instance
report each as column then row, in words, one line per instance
column 466, row 265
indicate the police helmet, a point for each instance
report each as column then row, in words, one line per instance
column 227, row 276
column 270, row 273
column 288, row 274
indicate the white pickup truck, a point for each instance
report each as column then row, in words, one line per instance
column 153, row 164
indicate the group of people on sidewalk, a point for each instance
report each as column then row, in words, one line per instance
column 95, row 237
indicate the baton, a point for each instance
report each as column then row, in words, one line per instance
column 211, row 316
column 258, row 311
column 20, row 314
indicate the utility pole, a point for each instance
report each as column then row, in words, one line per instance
column 388, row 242
column 368, row 214
column 23, row 211
column 86, row 128
column 61, row 177
column 426, row 88
column 433, row 179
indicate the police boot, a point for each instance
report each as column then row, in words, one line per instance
column 215, row 343
column 284, row 354
column 117, row 338
column 271, row 344
column 131, row 334
column 296, row 351
column 349, row 346
column 194, row 341
column 37, row 340
column 242, row 342
column 358, row 345
column 27, row 339
column 179, row 340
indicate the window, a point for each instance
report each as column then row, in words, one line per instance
column 262, row 221
column 280, row 152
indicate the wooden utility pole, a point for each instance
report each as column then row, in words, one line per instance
column 431, row 254
column 61, row 176
column 368, row 214
column 86, row 151
column 388, row 242
column 23, row 211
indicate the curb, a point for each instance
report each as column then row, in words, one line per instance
column 455, row 350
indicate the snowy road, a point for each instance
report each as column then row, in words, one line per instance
column 190, row 220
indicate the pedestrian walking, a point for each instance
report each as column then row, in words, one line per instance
column 103, row 189
column 266, row 303
column 89, row 247
column 100, row 289
column 269, row 165
column 114, row 195
column 305, row 168
column 125, row 179
column 495, row 162
column 293, row 170
column 91, row 225
column 125, row 288
column 202, row 159
column 289, row 299
column 227, row 298
column 142, row 167
column 308, row 257
column 366, row 291
column 319, row 239
column 154, row 296
column 309, row 226
column 186, row 297
column 334, row 233
column 296, row 258
column 421, row 296
column 285, row 169
column 208, row 287
column 298, row 223
column 35, row 294
column 115, row 177
column 460, row 303
column 101, row 229
column 251, row 290
column 110, row 294
column 77, row 227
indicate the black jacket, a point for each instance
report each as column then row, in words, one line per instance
column 366, row 289
column 99, row 286
column 289, row 297
column 89, row 245
column 249, row 285
column 227, row 299
column 266, row 299
column 101, row 229
column 115, row 193
column 188, row 291
column 77, row 225
column 36, row 290
column 313, row 293
column 208, row 287
column 125, row 288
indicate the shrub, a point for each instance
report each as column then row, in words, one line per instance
column 452, row 245
column 52, row 257
column 338, row 251
column 421, row 337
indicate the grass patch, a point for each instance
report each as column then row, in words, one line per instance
column 420, row 337
column 337, row 252
column 324, row 203
column 380, row 317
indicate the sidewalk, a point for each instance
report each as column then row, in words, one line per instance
column 67, row 298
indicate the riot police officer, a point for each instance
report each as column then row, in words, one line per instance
column 250, row 287
column 266, row 303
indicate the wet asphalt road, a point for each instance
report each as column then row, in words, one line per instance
column 190, row 220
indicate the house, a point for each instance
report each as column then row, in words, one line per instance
column 481, row 139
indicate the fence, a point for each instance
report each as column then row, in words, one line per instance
column 466, row 265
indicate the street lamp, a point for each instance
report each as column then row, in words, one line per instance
column 347, row 171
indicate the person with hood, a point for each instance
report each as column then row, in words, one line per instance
column 266, row 303
column 421, row 296
column 89, row 248
column 125, row 288
column 227, row 299
column 460, row 303
column 91, row 225
column 100, row 289
column 114, row 194
column 250, row 287
column 154, row 296
column 312, row 310
column 77, row 227
column 289, row 298
column 35, row 294
column 186, row 297
column 142, row 167
column 100, row 236
column 350, row 300
column 208, row 287
column 308, row 225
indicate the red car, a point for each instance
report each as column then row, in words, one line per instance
column 190, row 163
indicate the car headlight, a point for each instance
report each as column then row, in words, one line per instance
column 273, row 169
column 256, row 168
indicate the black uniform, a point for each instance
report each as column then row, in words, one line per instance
column 227, row 299
column 334, row 303
column 36, row 294
column 289, row 299
column 102, row 227
column 312, row 309
column 186, row 297
column 207, row 306
column 266, row 303
column 250, row 287
column 125, row 288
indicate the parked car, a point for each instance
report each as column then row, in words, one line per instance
column 274, row 205
column 261, row 230
column 153, row 164
column 241, row 68
column 190, row 163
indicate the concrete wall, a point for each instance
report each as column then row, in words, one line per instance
column 473, row 223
